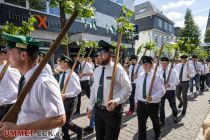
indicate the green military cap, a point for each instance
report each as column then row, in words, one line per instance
column 22, row 42
column 183, row 56
column 66, row 59
column 133, row 57
column 42, row 53
column 105, row 47
column 2, row 49
column 207, row 60
column 164, row 58
column 146, row 59
column 194, row 56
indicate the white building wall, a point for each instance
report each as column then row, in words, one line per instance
column 150, row 35
column 128, row 3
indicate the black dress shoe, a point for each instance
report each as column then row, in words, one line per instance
column 80, row 134
column 175, row 119
column 158, row 137
column 88, row 130
column 76, row 113
column 180, row 105
column 183, row 113
column 162, row 123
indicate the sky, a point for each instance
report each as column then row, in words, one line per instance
column 175, row 10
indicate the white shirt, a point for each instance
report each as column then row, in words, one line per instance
column 73, row 87
column 43, row 101
column 196, row 67
column 208, row 65
column 158, row 89
column 122, row 86
column 173, row 80
column 87, row 69
column 135, row 68
column 204, row 69
column 48, row 69
column 9, row 86
column 188, row 70
column 154, row 65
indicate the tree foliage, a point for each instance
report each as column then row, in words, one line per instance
column 25, row 29
column 207, row 36
column 201, row 53
column 82, row 7
column 190, row 34
column 123, row 22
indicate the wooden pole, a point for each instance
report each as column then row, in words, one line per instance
column 115, row 67
column 12, row 114
column 136, row 72
column 4, row 70
column 70, row 74
column 172, row 65
column 153, row 77
column 86, row 60
column 145, row 52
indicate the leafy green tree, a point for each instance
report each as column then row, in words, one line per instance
column 82, row 7
column 124, row 26
column 25, row 29
column 190, row 34
column 207, row 36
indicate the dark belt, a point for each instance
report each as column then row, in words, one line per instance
column 7, row 105
column 67, row 98
column 104, row 107
column 184, row 81
column 101, row 106
column 147, row 103
column 83, row 81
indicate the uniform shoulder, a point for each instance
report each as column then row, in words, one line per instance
column 46, row 77
column 13, row 71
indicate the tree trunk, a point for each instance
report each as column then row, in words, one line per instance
column 63, row 21
column 12, row 114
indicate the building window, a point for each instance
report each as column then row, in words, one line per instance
column 160, row 24
column 166, row 26
column 142, row 10
column 156, row 39
column 170, row 28
column 38, row 5
column 54, row 11
column 17, row 2
column 119, row 2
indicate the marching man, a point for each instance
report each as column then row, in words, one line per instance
column 8, row 85
column 170, row 89
column 70, row 97
column 132, row 68
column 148, row 106
column 185, row 72
column 43, row 107
column 108, row 114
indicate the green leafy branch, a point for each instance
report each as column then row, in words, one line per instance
column 123, row 22
column 82, row 7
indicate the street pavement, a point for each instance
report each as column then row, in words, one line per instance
column 187, row 128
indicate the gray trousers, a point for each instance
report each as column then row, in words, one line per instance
column 182, row 89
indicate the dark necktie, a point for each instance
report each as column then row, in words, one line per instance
column 195, row 67
column 20, row 84
column 100, row 88
column 181, row 72
column 204, row 69
column 62, row 81
column 145, row 86
column 164, row 75
column 132, row 73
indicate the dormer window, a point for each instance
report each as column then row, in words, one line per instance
column 141, row 10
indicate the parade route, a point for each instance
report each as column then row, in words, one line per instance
column 187, row 128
